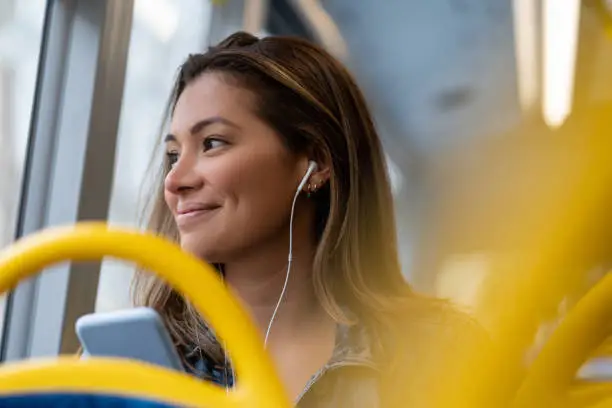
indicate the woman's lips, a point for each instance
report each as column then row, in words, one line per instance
column 186, row 217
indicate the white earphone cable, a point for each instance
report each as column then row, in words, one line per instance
column 311, row 168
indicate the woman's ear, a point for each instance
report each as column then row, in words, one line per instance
column 320, row 176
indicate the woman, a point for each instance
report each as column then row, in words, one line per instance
column 247, row 119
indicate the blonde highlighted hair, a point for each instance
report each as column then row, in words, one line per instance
column 313, row 102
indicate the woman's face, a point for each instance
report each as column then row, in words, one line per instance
column 232, row 180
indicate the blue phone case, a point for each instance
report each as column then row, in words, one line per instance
column 137, row 334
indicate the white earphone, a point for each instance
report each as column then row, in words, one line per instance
column 312, row 167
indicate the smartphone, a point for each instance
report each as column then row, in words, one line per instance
column 137, row 334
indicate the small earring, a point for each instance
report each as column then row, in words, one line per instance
column 309, row 189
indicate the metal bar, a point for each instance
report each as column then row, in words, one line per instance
column 70, row 162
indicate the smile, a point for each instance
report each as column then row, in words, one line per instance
column 186, row 218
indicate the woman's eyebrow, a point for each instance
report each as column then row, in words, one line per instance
column 196, row 128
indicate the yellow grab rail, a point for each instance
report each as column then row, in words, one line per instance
column 258, row 384
column 553, row 373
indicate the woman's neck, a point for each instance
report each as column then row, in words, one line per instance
column 258, row 282
column 302, row 336
column 258, row 276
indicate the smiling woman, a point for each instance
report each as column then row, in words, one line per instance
column 229, row 172
column 275, row 173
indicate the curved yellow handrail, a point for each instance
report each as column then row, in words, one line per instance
column 258, row 384
column 589, row 395
column 581, row 332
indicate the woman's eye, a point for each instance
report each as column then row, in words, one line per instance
column 213, row 143
column 172, row 158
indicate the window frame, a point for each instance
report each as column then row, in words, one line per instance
column 69, row 164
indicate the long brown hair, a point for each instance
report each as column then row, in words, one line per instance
column 313, row 102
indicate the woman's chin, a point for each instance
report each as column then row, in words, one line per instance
column 209, row 255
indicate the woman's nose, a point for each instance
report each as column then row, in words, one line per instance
column 182, row 177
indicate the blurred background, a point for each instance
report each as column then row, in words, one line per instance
column 495, row 116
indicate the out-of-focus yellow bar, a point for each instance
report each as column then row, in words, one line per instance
column 531, row 212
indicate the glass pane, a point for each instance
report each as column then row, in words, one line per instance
column 163, row 34
column 21, row 24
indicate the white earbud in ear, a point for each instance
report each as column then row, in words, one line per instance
column 312, row 167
